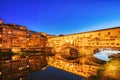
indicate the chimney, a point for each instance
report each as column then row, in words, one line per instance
column 1, row 21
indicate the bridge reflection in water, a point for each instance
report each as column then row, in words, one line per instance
column 82, row 68
column 24, row 68
column 33, row 68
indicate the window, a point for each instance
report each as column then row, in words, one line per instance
column 89, row 43
column 0, row 40
column 107, row 43
column 109, row 33
column 112, row 39
column 97, row 43
column 117, row 44
column 90, row 35
column 112, row 43
column 99, row 34
column 1, row 29
column 9, row 32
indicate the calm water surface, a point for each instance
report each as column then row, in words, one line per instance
column 52, row 73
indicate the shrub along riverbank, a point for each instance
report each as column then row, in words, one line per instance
column 110, row 71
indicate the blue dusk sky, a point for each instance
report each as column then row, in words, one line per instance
column 61, row 16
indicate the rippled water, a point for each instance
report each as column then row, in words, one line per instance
column 52, row 73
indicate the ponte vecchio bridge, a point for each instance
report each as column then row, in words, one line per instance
column 87, row 41
column 83, row 44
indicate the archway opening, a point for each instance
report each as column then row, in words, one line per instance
column 104, row 53
column 69, row 53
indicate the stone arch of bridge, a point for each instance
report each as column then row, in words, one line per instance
column 68, row 45
column 69, row 50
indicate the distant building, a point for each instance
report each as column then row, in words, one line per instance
column 12, row 37
column 35, row 41
column 17, row 38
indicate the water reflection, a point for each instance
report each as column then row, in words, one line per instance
column 18, row 69
column 31, row 66
column 53, row 74
column 34, row 68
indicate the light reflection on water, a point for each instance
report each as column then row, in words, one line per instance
column 103, row 54
column 52, row 74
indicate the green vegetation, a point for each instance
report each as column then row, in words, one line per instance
column 98, row 76
column 110, row 71
column 91, row 60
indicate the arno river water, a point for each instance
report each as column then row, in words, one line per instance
column 29, row 68
column 52, row 73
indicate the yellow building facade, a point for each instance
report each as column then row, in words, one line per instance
column 12, row 37
column 18, row 38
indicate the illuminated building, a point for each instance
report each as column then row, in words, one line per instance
column 17, row 38
column 12, row 37
column 36, row 41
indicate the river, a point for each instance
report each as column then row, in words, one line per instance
column 52, row 73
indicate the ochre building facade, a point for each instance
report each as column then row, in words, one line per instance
column 17, row 38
